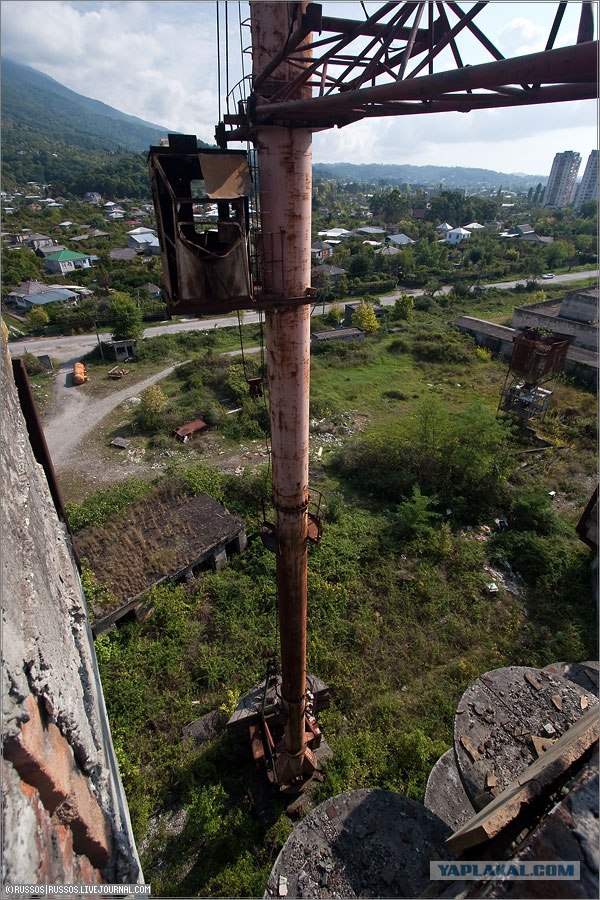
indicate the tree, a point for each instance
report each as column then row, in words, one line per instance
column 37, row 318
column 365, row 318
column 149, row 412
column 403, row 307
column 125, row 317
column 390, row 205
column 415, row 518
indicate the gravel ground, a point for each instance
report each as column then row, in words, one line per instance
column 74, row 415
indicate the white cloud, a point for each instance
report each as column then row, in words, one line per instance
column 158, row 60
column 521, row 36
column 152, row 60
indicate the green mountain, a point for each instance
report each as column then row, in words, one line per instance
column 36, row 102
column 54, row 136
column 449, row 177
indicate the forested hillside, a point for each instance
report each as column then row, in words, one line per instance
column 55, row 136
column 448, row 176
column 34, row 101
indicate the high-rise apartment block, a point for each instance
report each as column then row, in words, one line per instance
column 563, row 176
column 588, row 186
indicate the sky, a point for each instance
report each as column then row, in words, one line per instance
column 157, row 59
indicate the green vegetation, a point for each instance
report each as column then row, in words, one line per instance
column 398, row 580
column 125, row 317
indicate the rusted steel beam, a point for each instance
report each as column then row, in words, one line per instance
column 560, row 67
column 368, row 28
column 285, row 172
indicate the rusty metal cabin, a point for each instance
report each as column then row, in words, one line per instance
column 206, row 265
column 537, row 357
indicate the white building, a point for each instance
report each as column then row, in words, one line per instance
column 457, row 235
column 588, row 187
column 562, row 179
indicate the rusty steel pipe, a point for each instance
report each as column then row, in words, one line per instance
column 559, row 66
column 285, row 175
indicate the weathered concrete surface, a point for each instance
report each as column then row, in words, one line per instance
column 64, row 793
column 360, row 844
column 445, row 795
column 585, row 674
column 505, row 720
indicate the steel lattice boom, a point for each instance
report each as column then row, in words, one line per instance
column 408, row 59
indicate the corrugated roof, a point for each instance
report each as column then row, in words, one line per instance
column 64, row 255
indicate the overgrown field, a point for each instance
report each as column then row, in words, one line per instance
column 416, row 467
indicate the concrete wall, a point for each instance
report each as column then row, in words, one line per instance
column 581, row 307
column 583, row 335
column 65, row 817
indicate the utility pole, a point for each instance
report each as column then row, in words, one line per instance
column 285, row 184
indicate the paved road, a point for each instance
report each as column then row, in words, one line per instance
column 70, row 349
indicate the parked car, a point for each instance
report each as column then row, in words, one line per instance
column 548, row 275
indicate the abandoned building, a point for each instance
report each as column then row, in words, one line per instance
column 350, row 310
column 165, row 536
column 338, row 334
column 185, row 432
column 576, row 315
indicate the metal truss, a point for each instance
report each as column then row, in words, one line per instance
column 410, row 59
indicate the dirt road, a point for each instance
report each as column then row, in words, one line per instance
column 74, row 414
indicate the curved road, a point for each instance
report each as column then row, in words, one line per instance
column 76, row 414
column 70, row 349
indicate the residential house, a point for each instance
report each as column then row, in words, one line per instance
column 331, row 271
column 533, row 238
column 336, row 233
column 457, row 235
column 521, row 230
column 370, row 230
column 152, row 289
column 388, row 251
column 400, row 240
column 320, row 250
column 145, row 243
column 92, row 197
column 44, row 252
column 34, row 241
column 67, row 261
column 474, row 226
column 34, row 293
column 443, row 229
column 122, row 254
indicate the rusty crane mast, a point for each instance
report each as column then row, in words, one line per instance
column 312, row 72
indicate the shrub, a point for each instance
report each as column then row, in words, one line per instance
column 415, row 517
column 440, row 347
column 32, row 364
column 204, row 480
column 100, row 507
column 533, row 512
